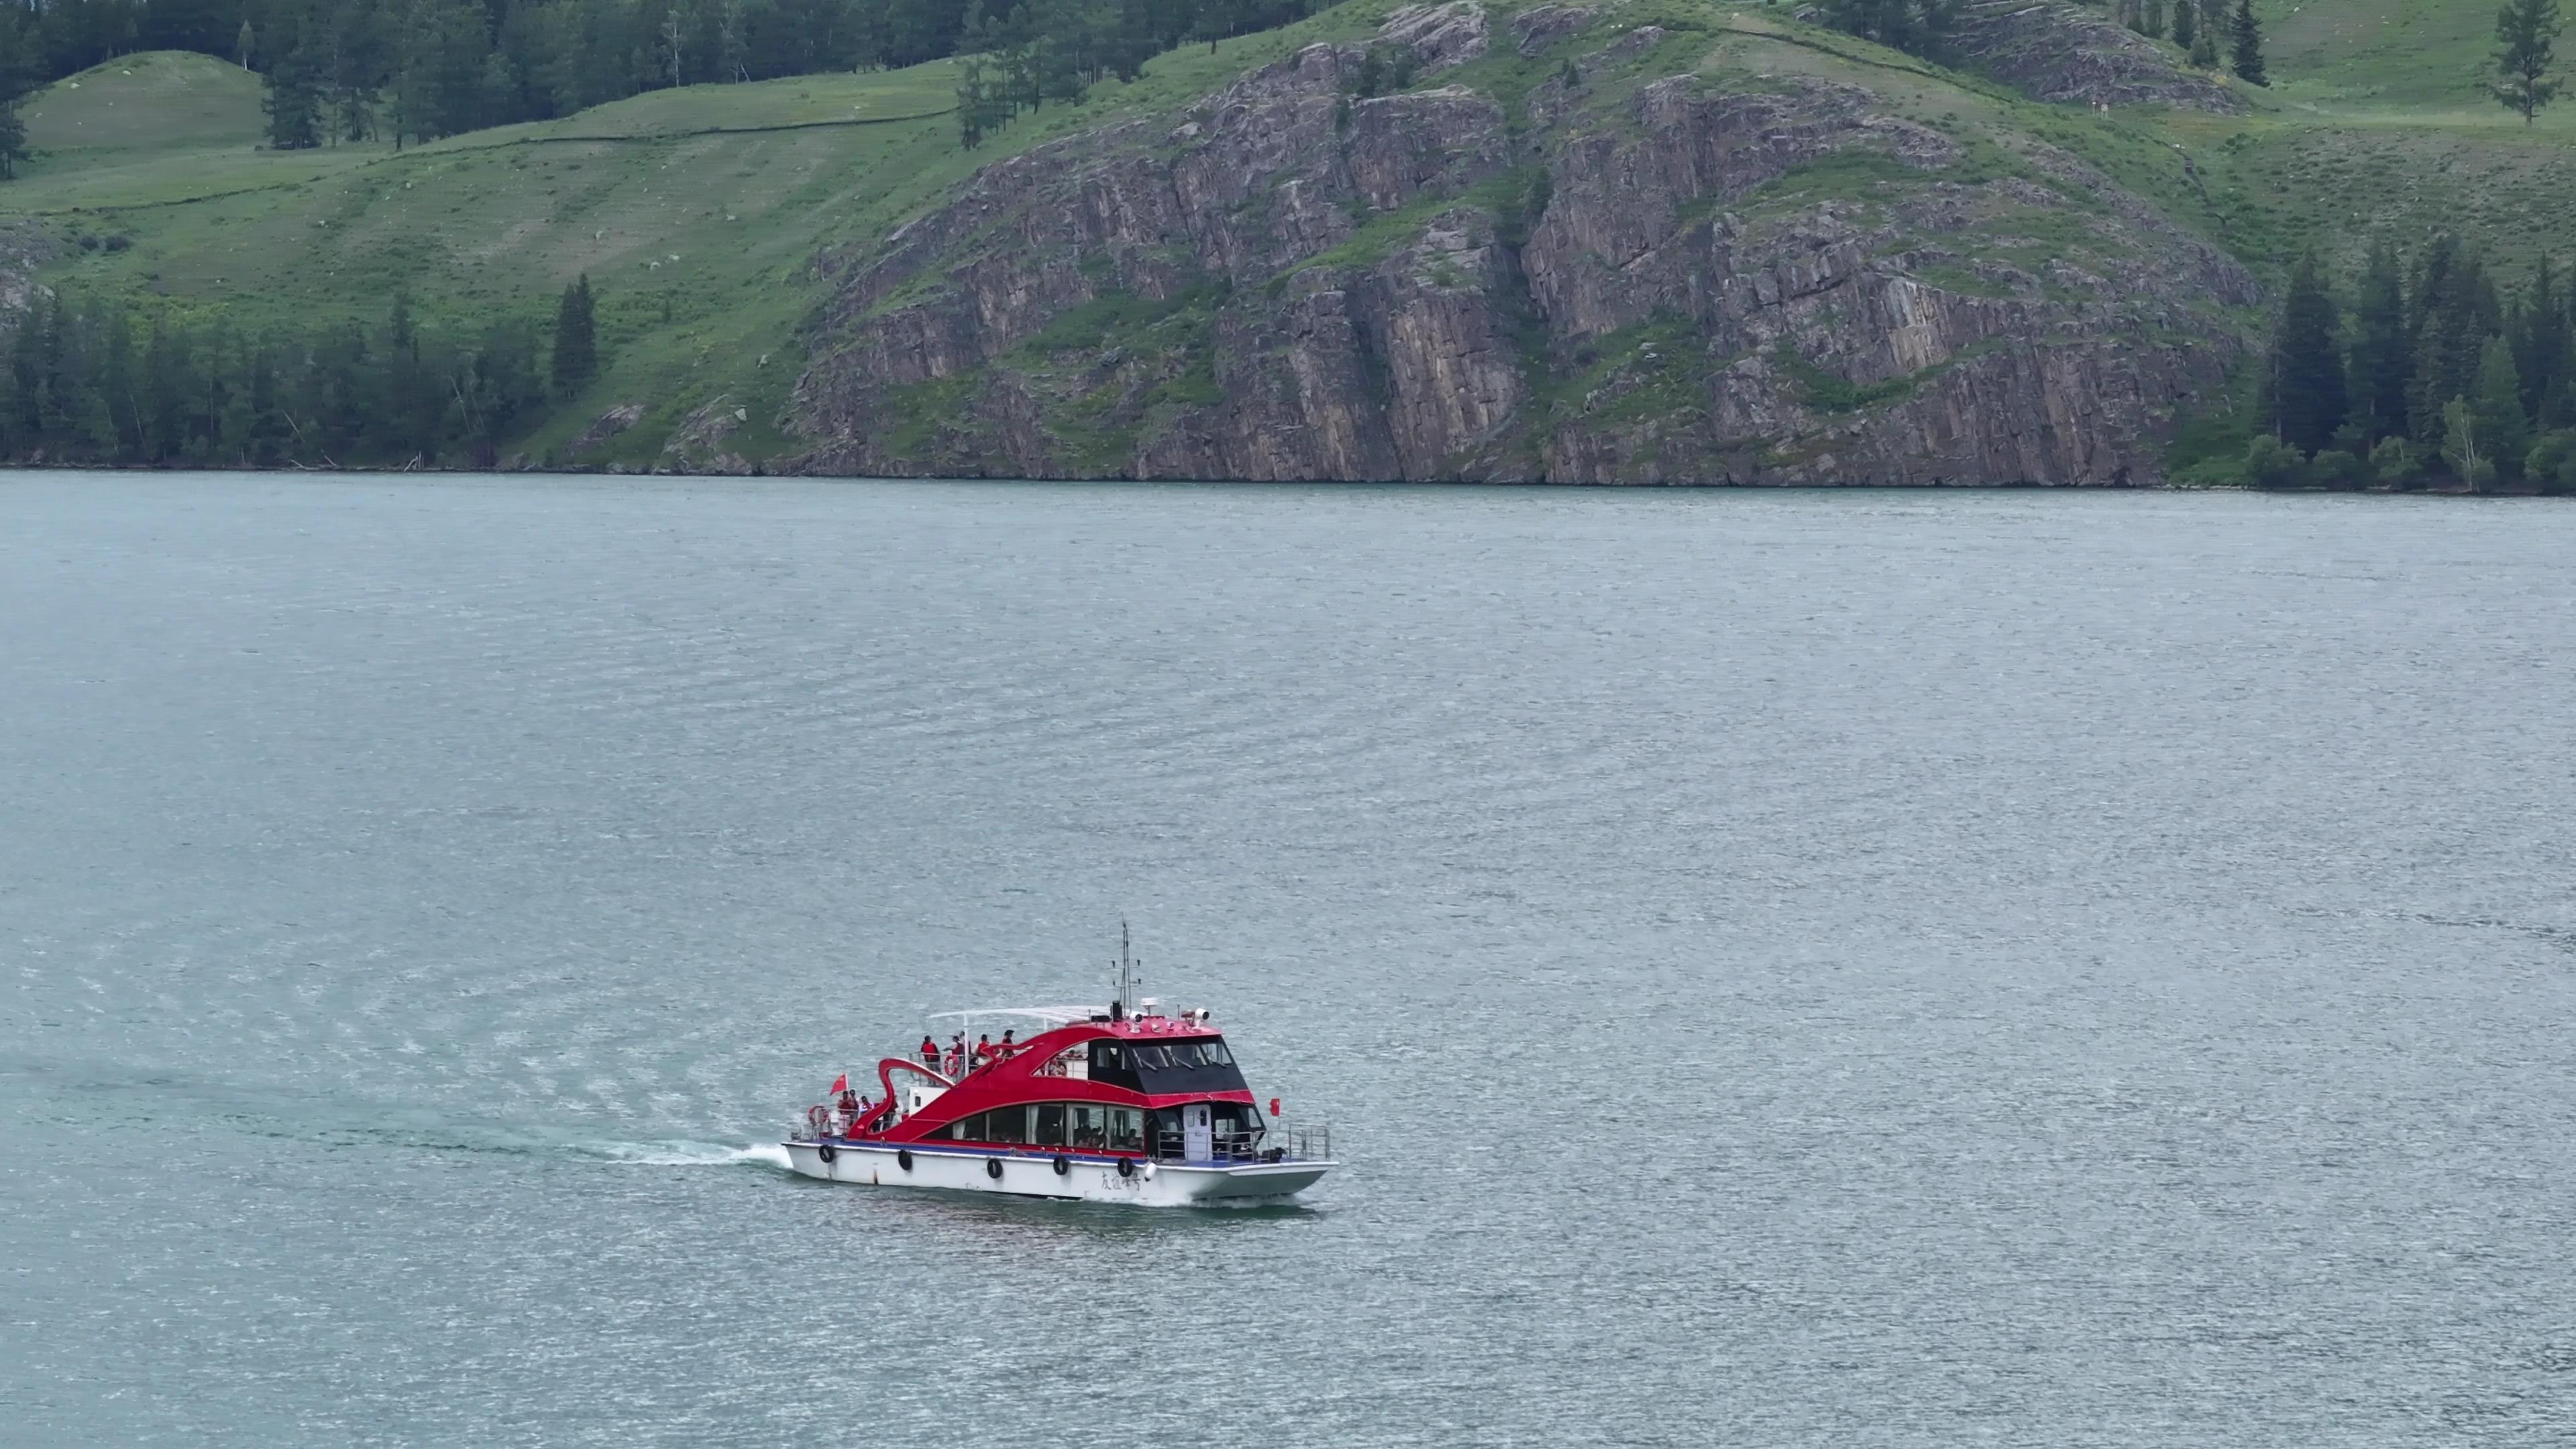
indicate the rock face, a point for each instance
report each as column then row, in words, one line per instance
column 2060, row 52
column 1625, row 275
column 23, row 248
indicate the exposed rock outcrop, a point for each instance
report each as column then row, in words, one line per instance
column 1637, row 279
column 703, row 443
column 2062, row 52
column 24, row 247
column 608, row 425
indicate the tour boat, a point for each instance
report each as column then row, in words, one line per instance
column 1121, row 1103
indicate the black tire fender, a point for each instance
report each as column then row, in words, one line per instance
column 1126, row 1167
column 1063, row 1166
column 826, row 1151
column 903, row 1159
column 993, row 1168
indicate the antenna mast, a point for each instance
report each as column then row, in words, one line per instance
column 1123, row 991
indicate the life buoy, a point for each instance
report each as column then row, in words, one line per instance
column 993, row 1168
column 826, row 1152
column 1063, row 1165
column 818, row 1120
column 903, row 1159
column 1126, row 1167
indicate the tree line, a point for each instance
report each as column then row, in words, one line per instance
column 357, row 70
column 1019, row 56
column 2431, row 375
column 93, row 382
column 2206, row 30
column 2199, row 27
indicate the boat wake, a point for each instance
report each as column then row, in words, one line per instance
column 694, row 1154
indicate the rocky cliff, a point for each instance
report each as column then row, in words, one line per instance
column 1574, row 248
column 2062, row 52
column 23, row 249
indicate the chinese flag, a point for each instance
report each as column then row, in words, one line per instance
column 840, row 1084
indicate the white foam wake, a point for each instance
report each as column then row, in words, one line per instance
column 691, row 1154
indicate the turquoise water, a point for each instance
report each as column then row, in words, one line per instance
column 1783, row 969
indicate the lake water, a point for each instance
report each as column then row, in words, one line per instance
column 1784, row 969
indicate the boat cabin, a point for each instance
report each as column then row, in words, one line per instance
column 1093, row 1083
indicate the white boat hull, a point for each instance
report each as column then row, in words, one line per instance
column 1085, row 1178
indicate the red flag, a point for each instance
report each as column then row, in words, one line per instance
column 840, row 1084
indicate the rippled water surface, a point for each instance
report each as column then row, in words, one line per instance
column 1785, row 969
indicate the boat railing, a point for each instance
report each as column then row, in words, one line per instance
column 1281, row 1144
column 1309, row 1143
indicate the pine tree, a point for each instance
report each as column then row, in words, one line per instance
column 293, row 82
column 972, row 100
column 1916, row 26
column 2454, row 313
column 2383, row 354
column 2307, row 397
column 263, row 436
column 163, row 421
column 2186, row 24
column 17, row 44
column 26, row 394
column 2540, row 342
column 576, row 360
column 2527, row 34
column 2247, row 33
column 13, row 132
column 2503, row 432
column 2209, row 21
column 118, row 395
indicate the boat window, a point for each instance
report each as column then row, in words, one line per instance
column 1113, row 1065
column 1149, row 1057
column 1215, row 1054
column 967, row 1129
column 1182, row 1054
column 1126, row 1129
column 1050, row 1131
column 1087, row 1124
column 1006, row 1124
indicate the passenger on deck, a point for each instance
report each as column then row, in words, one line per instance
column 983, row 1051
column 929, row 1052
column 1003, row 1052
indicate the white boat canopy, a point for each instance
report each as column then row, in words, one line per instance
column 1053, row 1016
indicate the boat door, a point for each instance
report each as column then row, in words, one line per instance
column 1198, row 1141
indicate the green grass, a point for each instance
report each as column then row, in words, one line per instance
column 697, row 213
column 2415, row 53
column 154, row 104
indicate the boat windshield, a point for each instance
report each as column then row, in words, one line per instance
column 1165, row 1067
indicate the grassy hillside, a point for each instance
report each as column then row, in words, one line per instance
column 698, row 212
column 2424, row 53
column 144, row 105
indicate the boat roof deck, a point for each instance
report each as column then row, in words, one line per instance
column 1056, row 1016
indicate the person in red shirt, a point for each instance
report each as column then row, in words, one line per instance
column 929, row 1053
